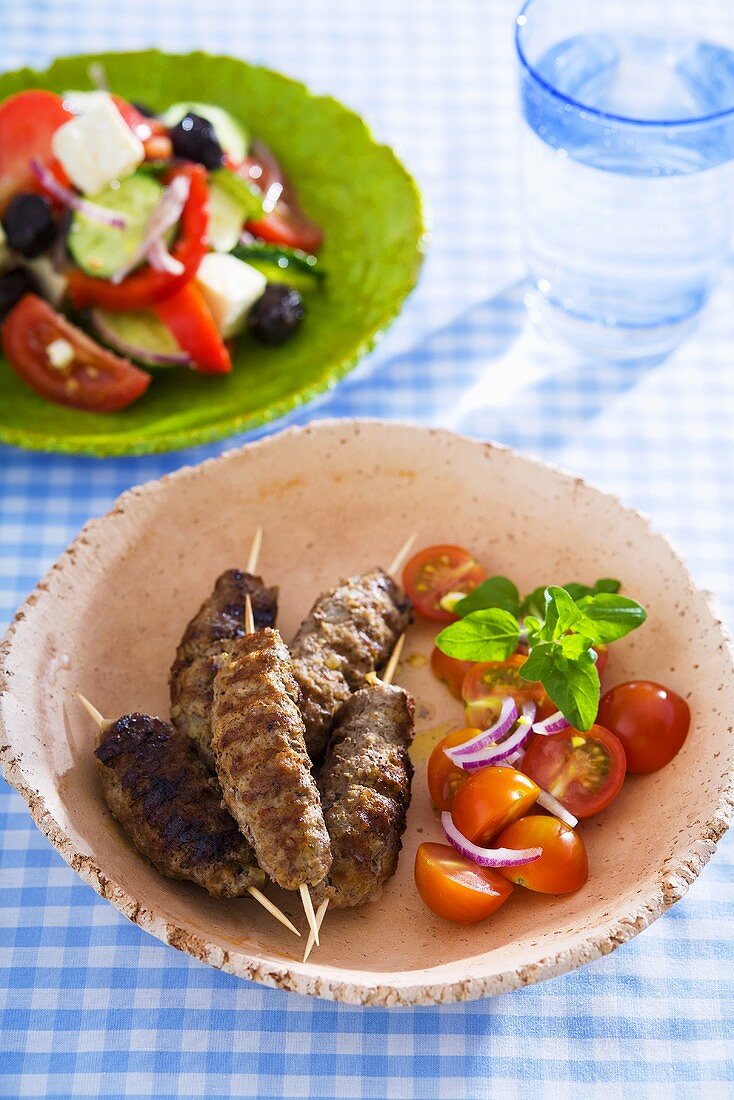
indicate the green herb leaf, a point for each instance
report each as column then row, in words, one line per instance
column 489, row 635
column 605, row 617
column 534, row 602
column 572, row 682
column 605, row 584
column 494, row 592
column 561, row 613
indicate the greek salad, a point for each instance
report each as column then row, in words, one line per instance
column 539, row 733
column 133, row 240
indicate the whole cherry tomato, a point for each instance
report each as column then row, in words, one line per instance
column 444, row 778
column 489, row 800
column 562, row 868
column 455, row 888
column 650, row 720
column 450, row 670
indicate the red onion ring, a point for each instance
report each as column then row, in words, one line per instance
column 553, row 806
column 69, row 198
column 510, row 747
column 487, row 738
column 487, row 857
column 161, row 259
column 553, row 724
column 165, row 214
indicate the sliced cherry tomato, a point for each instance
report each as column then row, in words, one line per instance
column 584, row 771
column 455, row 888
column 434, row 572
column 286, row 224
column 190, row 320
column 444, row 778
column 28, row 121
column 650, row 720
column 150, row 131
column 489, row 800
column 562, row 868
column 449, row 670
column 142, row 288
column 94, row 380
column 487, row 684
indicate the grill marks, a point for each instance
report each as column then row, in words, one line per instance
column 351, row 630
column 166, row 799
column 262, row 761
column 365, row 788
column 219, row 620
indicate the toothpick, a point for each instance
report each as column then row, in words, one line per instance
column 249, row 617
column 308, row 910
column 402, row 555
column 257, row 541
column 320, row 914
column 392, row 664
column 100, row 721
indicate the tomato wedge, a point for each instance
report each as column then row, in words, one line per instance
column 144, row 287
column 489, row 800
column 455, row 888
column 584, row 771
column 28, row 121
column 190, row 320
column 444, row 778
column 487, row 684
column 450, row 670
column 563, row 866
column 95, row 379
column 286, row 224
column 434, row 572
column 650, row 720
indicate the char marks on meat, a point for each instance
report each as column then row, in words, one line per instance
column 350, row 631
column 262, row 763
column 162, row 793
column 219, row 620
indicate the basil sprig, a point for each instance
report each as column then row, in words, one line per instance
column 561, row 638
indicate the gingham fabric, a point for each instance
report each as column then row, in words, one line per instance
column 90, row 1005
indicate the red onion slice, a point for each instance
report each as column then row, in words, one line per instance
column 165, row 214
column 69, row 198
column 161, row 259
column 487, row 857
column 554, row 724
column 553, row 806
column 505, row 722
column 510, row 747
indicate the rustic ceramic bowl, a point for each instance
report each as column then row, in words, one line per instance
column 333, row 499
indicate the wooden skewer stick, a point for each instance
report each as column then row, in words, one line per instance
column 253, row 891
column 320, row 914
column 392, row 664
column 303, row 888
column 401, row 557
column 257, row 541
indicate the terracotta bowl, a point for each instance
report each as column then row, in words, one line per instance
column 335, row 498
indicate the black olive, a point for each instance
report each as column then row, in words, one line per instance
column 276, row 316
column 144, row 109
column 13, row 285
column 29, row 225
column 194, row 139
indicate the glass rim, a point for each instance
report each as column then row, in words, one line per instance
column 628, row 120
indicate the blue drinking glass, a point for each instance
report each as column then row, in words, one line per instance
column 627, row 166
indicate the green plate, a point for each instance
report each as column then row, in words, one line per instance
column 358, row 190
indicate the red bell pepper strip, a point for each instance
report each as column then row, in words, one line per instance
column 190, row 320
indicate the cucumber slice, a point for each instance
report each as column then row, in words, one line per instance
column 231, row 135
column 225, row 218
column 282, row 265
column 102, row 250
column 140, row 336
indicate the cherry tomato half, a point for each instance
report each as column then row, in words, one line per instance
column 584, row 771
column 434, row 572
column 95, row 380
column 28, row 121
column 489, row 800
column 562, row 868
column 651, row 721
column 444, row 778
column 449, row 670
column 455, row 888
column 486, row 685
column 286, row 224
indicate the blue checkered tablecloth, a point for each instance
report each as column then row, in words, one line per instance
column 90, row 1005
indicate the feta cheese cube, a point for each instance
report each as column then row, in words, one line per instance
column 97, row 147
column 60, row 353
column 230, row 287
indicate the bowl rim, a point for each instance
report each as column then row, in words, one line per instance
column 105, row 445
column 670, row 885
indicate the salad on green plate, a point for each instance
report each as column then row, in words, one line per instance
column 174, row 269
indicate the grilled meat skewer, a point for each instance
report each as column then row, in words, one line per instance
column 350, row 631
column 163, row 795
column 365, row 790
column 220, row 619
column 262, row 763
